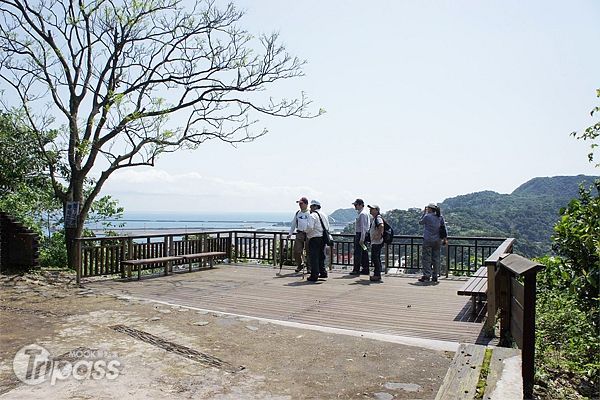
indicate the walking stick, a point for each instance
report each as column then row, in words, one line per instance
column 283, row 251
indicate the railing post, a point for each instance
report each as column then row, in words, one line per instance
column 528, row 350
column 476, row 256
column 386, row 265
column 504, row 301
column 166, row 251
column 492, row 307
column 274, row 259
column 123, row 255
column 230, row 247
column 234, row 246
column 330, row 262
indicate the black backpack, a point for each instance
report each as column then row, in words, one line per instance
column 388, row 232
column 443, row 231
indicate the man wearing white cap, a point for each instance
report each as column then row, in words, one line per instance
column 316, row 245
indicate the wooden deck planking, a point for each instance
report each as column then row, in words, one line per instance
column 399, row 306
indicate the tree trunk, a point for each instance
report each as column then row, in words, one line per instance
column 74, row 219
column 72, row 257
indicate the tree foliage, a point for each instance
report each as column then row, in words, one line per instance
column 591, row 133
column 568, row 309
column 122, row 83
column 577, row 241
column 26, row 192
column 24, row 185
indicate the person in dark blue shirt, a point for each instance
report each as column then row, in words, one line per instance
column 432, row 242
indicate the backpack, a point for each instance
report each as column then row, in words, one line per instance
column 443, row 231
column 388, row 232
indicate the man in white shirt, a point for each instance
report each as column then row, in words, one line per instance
column 300, row 225
column 361, row 227
column 316, row 245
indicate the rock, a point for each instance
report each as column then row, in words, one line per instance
column 154, row 319
column 201, row 323
column 252, row 328
column 383, row 396
column 407, row 387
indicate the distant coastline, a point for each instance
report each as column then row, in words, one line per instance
column 138, row 223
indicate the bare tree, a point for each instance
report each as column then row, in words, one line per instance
column 121, row 82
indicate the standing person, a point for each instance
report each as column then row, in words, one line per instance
column 432, row 243
column 361, row 227
column 300, row 225
column 376, row 232
column 316, row 244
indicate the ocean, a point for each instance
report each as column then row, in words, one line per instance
column 140, row 223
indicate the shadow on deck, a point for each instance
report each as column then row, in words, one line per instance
column 400, row 306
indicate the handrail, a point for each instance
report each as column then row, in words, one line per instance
column 103, row 255
column 492, row 293
column 517, row 310
column 519, row 265
column 205, row 232
column 504, row 248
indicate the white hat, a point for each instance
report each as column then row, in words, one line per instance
column 315, row 203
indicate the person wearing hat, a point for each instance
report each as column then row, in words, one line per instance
column 316, row 245
column 361, row 227
column 376, row 232
column 432, row 243
column 300, row 225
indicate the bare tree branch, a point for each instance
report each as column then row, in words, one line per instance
column 128, row 81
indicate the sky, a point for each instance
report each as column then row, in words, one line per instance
column 424, row 100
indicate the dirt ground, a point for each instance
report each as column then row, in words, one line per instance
column 167, row 352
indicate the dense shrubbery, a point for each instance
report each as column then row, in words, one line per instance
column 567, row 331
column 53, row 252
column 567, row 342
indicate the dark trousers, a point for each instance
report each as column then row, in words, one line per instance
column 361, row 257
column 316, row 253
column 376, row 258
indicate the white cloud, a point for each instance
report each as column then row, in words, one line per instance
column 158, row 190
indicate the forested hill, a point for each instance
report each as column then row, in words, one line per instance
column 528, row 214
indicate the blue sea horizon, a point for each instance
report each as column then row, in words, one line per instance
column 144, row 221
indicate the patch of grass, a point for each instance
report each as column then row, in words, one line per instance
column 485, row 370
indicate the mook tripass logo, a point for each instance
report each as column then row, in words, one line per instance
column 33, row 364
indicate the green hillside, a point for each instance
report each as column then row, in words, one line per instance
column 528, row 214
column 561, row 187
column 343, row 215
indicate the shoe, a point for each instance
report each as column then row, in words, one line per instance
column 424, row 279
column 299, row 269
column 354, row 273
column 363, row 272
column 323, row 276
column 375, row 278
column 312, row 279
column 434, row 279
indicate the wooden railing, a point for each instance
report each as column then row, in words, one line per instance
column 512, row 294
column 103, row 256
column 493, row 295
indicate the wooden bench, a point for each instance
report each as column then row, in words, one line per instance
column 211, row 255
column 167, row 261
column 476, row 287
